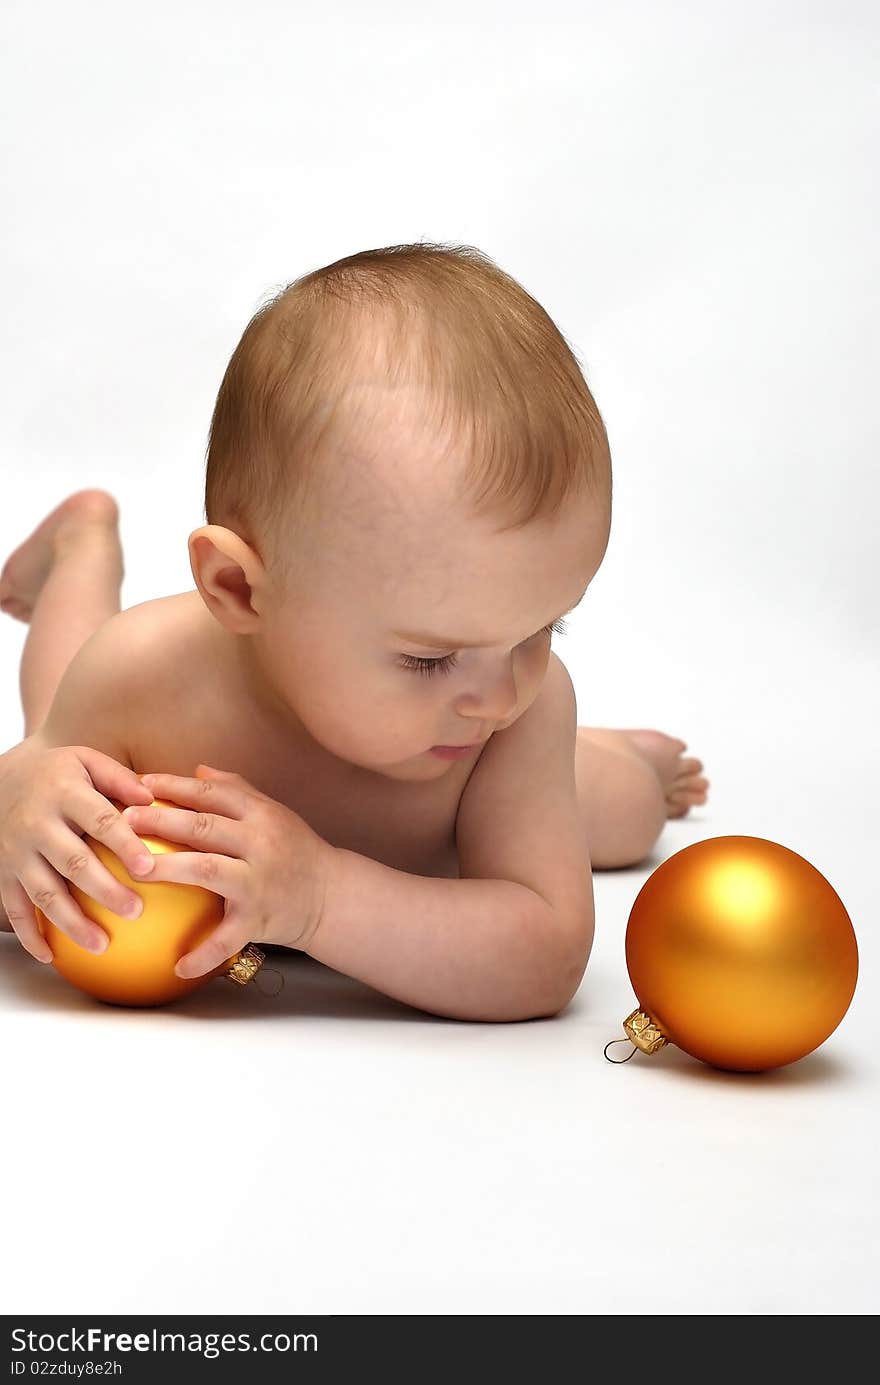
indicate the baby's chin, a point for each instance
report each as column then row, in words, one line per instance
column 416, row 769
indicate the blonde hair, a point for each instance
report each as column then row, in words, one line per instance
column 492, row 365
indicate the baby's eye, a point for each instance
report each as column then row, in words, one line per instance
column 428, row 667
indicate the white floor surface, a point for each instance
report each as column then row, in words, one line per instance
column 329, row 1150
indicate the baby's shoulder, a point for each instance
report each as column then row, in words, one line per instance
column 162, row 628
column 118, row 680
column 164, row 642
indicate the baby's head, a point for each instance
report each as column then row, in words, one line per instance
column 408, row 482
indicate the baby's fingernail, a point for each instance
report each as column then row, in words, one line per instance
column 180, row 971
column 142, row 864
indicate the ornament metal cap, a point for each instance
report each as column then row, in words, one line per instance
column 643, row 1032
column 245, row 964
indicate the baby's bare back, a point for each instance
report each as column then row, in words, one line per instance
column 195, row 710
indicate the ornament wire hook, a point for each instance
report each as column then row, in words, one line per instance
column 619, row 1041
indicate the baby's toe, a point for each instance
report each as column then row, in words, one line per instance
column 690, row 766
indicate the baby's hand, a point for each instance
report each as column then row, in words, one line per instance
column 49, row 800
column 262, row 857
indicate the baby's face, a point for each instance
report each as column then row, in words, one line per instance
column 417, row 624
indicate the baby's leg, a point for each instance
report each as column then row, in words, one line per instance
column 64, row 581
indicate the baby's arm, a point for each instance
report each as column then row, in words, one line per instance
column 510, row 939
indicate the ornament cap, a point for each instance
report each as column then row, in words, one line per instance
column 245, row 964
column 644, row 1032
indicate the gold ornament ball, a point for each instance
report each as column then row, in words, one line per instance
column 137, row 966
column 741, row 953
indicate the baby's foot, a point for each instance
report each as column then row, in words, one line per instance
column 27, row 568
column 681, row 779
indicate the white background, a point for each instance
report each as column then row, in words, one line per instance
column 690, row 191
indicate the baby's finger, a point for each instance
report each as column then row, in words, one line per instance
column 110, row 777
column 47, row 890
column 208, row 871
column 72, row 858
column 188, row 826
column 102, row 820
column 226, row 940
column 20, row 912
column 209, row 795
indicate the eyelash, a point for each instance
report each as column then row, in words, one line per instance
column 427, row 667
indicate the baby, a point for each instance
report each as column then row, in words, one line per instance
column 369, row 749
